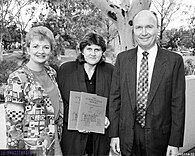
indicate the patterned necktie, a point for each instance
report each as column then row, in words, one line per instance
column 142, row 92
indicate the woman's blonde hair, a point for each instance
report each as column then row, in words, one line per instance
column 42, row 33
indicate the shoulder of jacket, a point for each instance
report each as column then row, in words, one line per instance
column 107, row 66
column 171, row 54
column 50, row 70
column 22, row 74
column 68, row 64
column 126, row 52
column 68, row 67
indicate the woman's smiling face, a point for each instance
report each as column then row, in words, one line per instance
column 39, row 50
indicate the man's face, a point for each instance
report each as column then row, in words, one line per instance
column 145, row 29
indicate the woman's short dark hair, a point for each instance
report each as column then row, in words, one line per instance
column 92, row 38
column 89, row 39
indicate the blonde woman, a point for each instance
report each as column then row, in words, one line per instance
column 34, row 109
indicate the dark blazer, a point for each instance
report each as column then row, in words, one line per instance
column 165, row 110
column 71, row 77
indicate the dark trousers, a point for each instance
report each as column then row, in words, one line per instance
column 139, row 145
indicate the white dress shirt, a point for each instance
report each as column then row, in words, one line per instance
column 151, row 60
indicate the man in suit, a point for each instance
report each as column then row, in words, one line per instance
column 147, row 119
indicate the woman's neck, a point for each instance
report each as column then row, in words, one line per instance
column 89, row 70
column 34, row 66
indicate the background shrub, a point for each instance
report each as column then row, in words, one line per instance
column 6, row 67
column 189, row 66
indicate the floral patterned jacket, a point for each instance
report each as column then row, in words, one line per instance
column 30, row 119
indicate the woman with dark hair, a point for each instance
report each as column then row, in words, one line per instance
column 33, row 104
column 88, row 73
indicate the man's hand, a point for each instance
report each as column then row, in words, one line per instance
column 172, row 151
column 107, row 122
column 115, row 145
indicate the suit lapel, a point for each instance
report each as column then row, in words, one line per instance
column 158, row 72
column 132, row 76
column 81, row 78
column 100, row 80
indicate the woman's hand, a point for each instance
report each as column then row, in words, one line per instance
column 83, row 131
column 107, row 122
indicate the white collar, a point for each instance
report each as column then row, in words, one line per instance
column 152, row 51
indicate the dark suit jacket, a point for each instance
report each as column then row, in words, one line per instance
column 165, row 110
column 71, row 77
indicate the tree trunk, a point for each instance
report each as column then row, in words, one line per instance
column 122, row 18
column 1, row 47
column 125, row 34
column 22, row 43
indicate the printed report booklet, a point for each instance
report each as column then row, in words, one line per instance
column 87, row 112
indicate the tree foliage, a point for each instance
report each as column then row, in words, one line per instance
column 122, row 15
column 10, row 10
column 70, row 20
column 171, row 39
column 167, row 11
column 179, row 40
column 11, row 37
